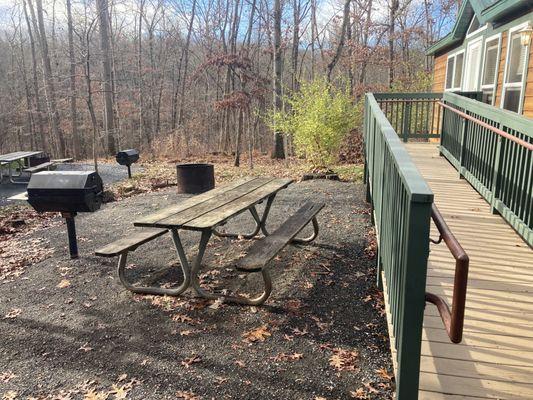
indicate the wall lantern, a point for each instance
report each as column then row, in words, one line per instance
column 526, row 34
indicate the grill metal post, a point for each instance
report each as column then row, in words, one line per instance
column 71, row 231
column 129, row 171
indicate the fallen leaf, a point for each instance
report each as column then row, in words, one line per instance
column 343, row 360
column 10, row 395
column 194, row 359
column 287, row 357
column 14, row 313
column 7, row 376
column 122, row 377
column 240, row 363
column 186, row 395
column 93, row 395
column 384, row 374
column 359, row 394
column 257, row 335
column 63, row 284
column 85, row 348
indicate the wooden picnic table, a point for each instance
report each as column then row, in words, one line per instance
column 18, row 156
column 206, row 212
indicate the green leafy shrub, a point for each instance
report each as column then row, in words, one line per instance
column 319, row 116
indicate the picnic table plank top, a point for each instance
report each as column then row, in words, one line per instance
column 17, row 155
column 216, row 205
column 228, row 210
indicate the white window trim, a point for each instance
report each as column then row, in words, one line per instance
column 478, row 30
column 454, row 56
column 522, row 84
column 494, row 85
column 463, row 78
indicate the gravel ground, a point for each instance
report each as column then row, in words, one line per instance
column 69, row 328
column 110, row 173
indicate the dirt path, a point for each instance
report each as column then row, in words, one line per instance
column 69, row 329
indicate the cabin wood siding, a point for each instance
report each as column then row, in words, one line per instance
column 439, row 73
column 501, row 70
column 528, row 100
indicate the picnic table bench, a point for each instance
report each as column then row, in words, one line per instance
column 206, row 213
column 15, row 157
column 18, row 157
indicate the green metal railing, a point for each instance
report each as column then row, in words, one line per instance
column 401, row 202
column 412, row 115
column 493, row 150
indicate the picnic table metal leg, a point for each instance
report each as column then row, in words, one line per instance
column 195, row 279
column 310, row 238
column 153, row 289
column 19, row 174
column 260, row 223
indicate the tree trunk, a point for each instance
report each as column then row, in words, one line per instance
column 342, row 39
column 394, row 6
column 38, row 111
column 48, row 78
column 278, row 150
column 73, row 108
column 109, row 120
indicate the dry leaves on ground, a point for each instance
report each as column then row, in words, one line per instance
column 257, row 335
column 287, row 357
column 182, row 395
column 14, row 313
column 63, row 284
column 343, row 360
column 194, row 359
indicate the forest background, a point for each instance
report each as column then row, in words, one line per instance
column 84, row 78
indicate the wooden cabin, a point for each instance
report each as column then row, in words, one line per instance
column 489, row 51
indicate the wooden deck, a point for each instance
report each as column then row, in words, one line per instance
column 495, row 358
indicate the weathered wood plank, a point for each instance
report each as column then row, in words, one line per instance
column 151, row 219
column 129, row 242
column 197, row 211
column 237, row 206
column 40, row 167
column 263, row 251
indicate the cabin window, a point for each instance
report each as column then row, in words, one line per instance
column 515, row 72
column 472, row 66
column 454, row 71
column 490, row 69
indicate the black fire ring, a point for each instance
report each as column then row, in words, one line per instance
column 195, row 178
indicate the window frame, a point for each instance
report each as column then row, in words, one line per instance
column 494, row 85
column 514, row 85
column 454, row 56
column 470, row 44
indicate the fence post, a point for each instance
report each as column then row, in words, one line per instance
column 406, row 120
column 464, row 128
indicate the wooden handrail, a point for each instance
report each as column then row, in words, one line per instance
column 506, row 135
column 454, row 320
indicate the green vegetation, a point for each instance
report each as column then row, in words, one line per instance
column 318, row 117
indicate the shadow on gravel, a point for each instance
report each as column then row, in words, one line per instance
column 322, row 332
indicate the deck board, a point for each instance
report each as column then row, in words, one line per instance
column 495, row 359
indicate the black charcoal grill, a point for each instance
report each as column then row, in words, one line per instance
column 67, row 192
column 127, row 157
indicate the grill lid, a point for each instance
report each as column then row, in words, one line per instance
column 64, row 180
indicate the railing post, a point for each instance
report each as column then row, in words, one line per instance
column 413, row 300
column 496, row 175
column 464, row 128
column 406, row 120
